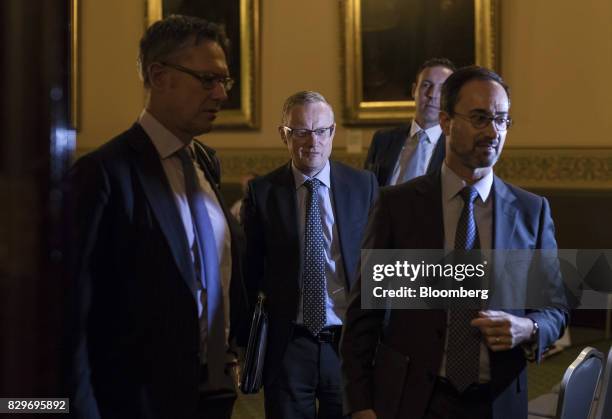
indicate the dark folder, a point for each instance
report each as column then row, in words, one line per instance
column 252, row 370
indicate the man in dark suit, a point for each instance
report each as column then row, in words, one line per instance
column 158, row 254
column 304, row 223
column 435, row 363
column 403, row 153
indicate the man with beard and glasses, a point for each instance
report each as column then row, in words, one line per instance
column 455, row 364
column 399, row 154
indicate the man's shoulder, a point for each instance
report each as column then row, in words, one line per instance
column 275, row 177
column 350, row 172
column 389, row 134
column 513, row 192
column 418, row 185
column 117, row 149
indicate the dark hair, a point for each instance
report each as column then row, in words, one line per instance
column 453, row 84
column 435, row 62
column 166, row 37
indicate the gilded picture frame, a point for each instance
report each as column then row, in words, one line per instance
column 385, row 41
column 75, row 88
column 240, row 19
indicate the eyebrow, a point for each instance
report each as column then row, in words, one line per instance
column 479, row 110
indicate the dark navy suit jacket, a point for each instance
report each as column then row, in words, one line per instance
column 385, row 150
column 274, row 260
column 137, row 341
column 390, row 359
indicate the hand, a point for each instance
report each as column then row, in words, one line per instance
column 363, row 414
column 502, row 331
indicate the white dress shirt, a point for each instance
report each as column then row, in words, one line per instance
column 167, row 144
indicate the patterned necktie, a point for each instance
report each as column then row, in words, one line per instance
column 416, row 160
column 314, row 263
column 463, row 350
column 209, row 271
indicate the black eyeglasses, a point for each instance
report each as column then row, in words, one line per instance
column 208, row 80
column 304, row 133
column 482, row 120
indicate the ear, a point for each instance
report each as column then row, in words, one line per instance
column 445, row 123
column 158, row 76
column 283, row 134
column 413, row 91
column 333, row 132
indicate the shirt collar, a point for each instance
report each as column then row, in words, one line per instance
column 433, row 133
column 300, row 177
column 164, row 141
column 452, row 184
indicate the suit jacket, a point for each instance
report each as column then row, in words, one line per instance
column 385, row 150
column 137, row 340
column 274, row 260
column 391, row 358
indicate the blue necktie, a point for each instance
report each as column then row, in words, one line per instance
column 463, row 349
column 413, row 168
column 209, row 271
column 314, row 263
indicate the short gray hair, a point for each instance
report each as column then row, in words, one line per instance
column 302, row 98
column 168, row 36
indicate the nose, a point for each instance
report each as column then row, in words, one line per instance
column 491, row 129
column 219, row 93
column 435, row 91
column 430, row 92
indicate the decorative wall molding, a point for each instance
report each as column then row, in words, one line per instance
column 530, row 168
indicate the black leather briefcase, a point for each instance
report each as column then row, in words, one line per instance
column 252, row 370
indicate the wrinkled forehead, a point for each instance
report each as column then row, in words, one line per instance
column 312, row 113
column 483, row 95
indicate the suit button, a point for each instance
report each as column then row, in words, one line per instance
column 430, row 377
column 439, row 333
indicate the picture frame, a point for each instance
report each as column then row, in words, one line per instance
column 75, row 76
column 240, row 19
column 385, row 41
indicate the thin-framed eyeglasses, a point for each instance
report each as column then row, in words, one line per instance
column 305, row 133
column 208, row 80
column 482, row 120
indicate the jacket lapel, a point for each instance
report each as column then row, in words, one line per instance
column 429, row 214
column 341, row 200
column 504, row 215
column 435, row 162
column 395, row 147
column 161, row 199
column 284, row 212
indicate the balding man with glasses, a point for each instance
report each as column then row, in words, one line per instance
column 304, row 223
column 157, row 250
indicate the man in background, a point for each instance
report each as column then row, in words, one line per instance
column 399, row 154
